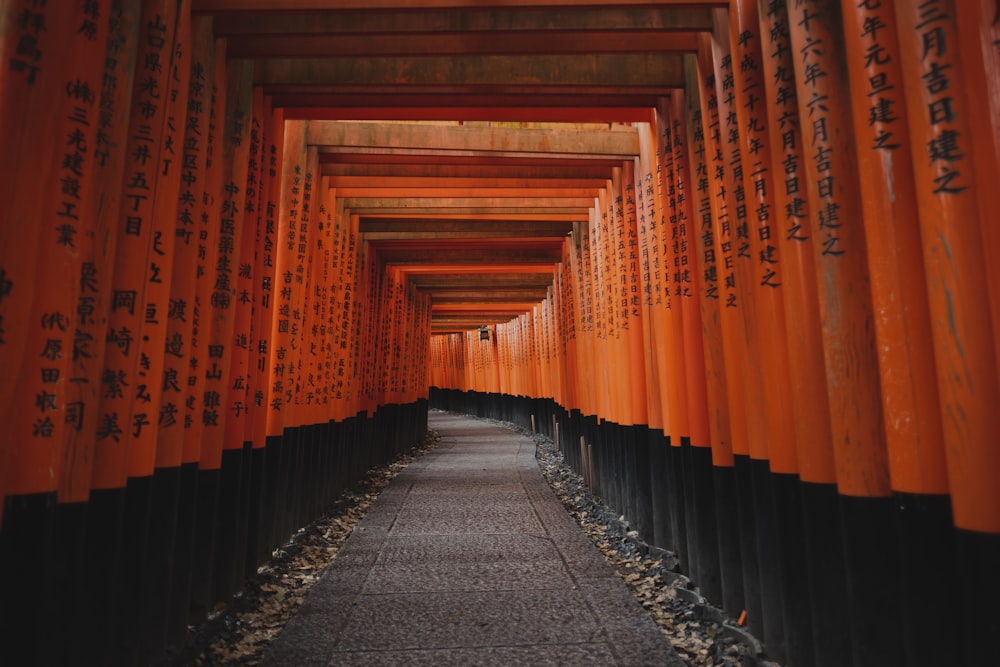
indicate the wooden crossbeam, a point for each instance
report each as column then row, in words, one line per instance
column 436, row 171
column 606, row 17
column 473, row 228
column 581, row 108
column 275, row 6
column 618, row 141
column 452, row 44
column 638, row 71
column 353, row 186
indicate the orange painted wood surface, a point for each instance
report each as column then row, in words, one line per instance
column 810, row 409
column 953, row 234
column 842, row 259
column 651, row 272
column 739, row 310
column 688, row 278
column 707, row 266
column 197, row 446
column 47, row 419
column 123, row 413
column 763, row 272
column 722, row 232
column 910, row 403
column 670, row 256
column 150, row 386
column 174, row 424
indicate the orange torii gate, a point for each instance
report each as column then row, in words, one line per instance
column 738, row 268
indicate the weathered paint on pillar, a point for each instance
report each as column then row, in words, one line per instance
column 953, row 233
column 764, row 270
column 196, row 447
column 122, row 416
column 688, row 278
column 842, row 259
column 706, row 265
column 722, row 233
column 902, row 322
column 221, row 308
column 171, row 425
column 810, row 409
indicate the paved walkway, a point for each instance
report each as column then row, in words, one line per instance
column 468, row 558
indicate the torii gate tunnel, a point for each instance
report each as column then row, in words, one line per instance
column 738, row 258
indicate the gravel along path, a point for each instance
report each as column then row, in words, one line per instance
column 239, row 633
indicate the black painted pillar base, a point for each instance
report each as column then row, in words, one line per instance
column 226, row 529
column 872, row 566
column 827, row 578
column 748, row 544
column 979, row 576
column 204, row 544
column 686, row 482
column 728, row 530
column 102, row 562
column 258, row 514
column 705, row 513
column 769, row 559
column 160, row 554
column 933, row 619
column 135, row 569
column 183, row 554
column 674, row 460
column 25, row 577
column 662, row 535
column 242, row 519
column 68, row 580
column 796, row 603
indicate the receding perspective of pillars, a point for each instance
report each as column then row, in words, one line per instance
column 148, row 460
column 830, row 163
column 736, row 257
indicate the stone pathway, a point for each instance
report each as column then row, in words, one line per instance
column 468, row 558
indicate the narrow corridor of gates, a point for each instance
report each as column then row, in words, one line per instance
column 468, row 558
column 737, row 256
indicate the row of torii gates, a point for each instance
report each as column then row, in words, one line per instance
column 737, row 258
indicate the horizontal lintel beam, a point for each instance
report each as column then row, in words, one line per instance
column 617, row 141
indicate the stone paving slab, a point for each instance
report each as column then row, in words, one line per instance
column 467, row 558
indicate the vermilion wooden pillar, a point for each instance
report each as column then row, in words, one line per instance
column 708, row 400
column 663, row 496
column 721, row 244
column 30, row 84
column 810, row 410
column 632, row 311
column 694, row 205
column 178, row 441
column 784, row 566
column 201, row 447
column 952, row 166
column 695, row 462
column 670, row 256
column 978, row 24
column 848, row 328
column 222, row 309
column 687, row 279
column 154, row 591
column 651, row 269
column 279, row 367
column 110, row 156
column 668, row 455
column 914, row 436
column 50, row 107
column 136, row 327
column 587, row 332
column 264, row 450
